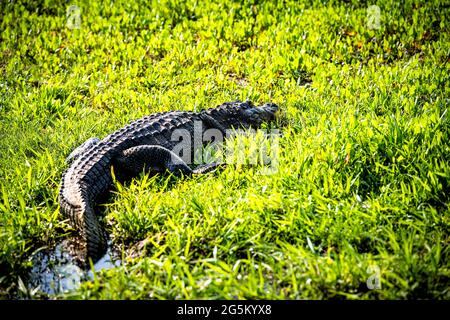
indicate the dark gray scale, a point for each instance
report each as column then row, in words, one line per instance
column 113, row 137
column 185, row 120
column 157, row 126
column 142, row 131
column 166, row 133
column 175, row 122
column 139, row 136
column 157, row 139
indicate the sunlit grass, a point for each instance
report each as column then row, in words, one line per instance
column 362, row 177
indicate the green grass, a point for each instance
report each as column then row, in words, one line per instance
column 363, row 179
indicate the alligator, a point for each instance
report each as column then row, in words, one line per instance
column 144, row 145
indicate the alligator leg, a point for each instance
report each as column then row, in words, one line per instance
column 82, row 148
column 213, row 123
column 151, row 158
column 208, row 167
column 154, row 158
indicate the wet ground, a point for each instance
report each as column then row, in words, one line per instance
column 55, row 271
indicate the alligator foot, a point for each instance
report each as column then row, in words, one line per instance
column 208, row 167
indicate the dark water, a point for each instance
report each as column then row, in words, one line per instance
column 55, row 272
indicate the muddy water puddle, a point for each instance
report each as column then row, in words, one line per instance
column 55, row 271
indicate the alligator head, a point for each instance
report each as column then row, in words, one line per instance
column 243, row 114
column 257, row 115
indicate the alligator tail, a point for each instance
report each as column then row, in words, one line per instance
column 83, row 219
column 93, row 235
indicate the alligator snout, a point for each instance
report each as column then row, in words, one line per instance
column 257, row 115
column 270, row 109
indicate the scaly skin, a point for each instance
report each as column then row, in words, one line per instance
column 143, row 143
